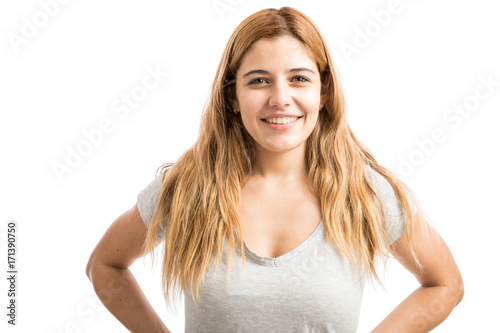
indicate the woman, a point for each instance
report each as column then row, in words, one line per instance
column 276, row 216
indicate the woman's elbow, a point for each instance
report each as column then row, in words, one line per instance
column 460, row 293
column 457, row 288
column 90, row 266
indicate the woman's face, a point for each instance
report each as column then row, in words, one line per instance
column 277, row 76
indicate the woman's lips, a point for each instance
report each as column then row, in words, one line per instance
column 282, row 127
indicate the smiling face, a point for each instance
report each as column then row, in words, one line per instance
column 278, row 76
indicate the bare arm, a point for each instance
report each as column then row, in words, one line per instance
column 441, row 285
column 114, row 284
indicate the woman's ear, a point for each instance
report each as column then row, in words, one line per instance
column 233, row 101
column 322, row 100
column 235, row 107
column 324, row 94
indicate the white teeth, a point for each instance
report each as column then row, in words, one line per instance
column 281, row 121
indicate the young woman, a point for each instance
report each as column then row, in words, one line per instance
column 276, row 216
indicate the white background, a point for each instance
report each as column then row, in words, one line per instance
column 66, row 77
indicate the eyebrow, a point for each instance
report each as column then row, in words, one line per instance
column 293, row 70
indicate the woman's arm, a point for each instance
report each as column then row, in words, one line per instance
column 114, row 284
column 441, row 284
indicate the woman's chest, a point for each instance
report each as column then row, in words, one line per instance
column 318, row 290
column 274, row 223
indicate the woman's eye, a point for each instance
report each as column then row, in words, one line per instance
column 303, row 79
column 298, row 78
column 254, row 81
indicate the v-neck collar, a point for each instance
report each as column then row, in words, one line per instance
column 267, row 261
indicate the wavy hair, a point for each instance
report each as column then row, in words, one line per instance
column 200, row 195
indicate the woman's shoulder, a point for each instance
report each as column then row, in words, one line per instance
column 386, row 192
column 377, row 180
column 148, row 197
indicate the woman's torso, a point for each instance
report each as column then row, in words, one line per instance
column 276, row 219
column 293, row 279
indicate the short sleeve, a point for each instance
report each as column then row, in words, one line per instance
column 394, row 218
column 147, row 201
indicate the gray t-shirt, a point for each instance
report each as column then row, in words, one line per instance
column 313, row 288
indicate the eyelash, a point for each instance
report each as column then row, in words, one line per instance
column 295, row 77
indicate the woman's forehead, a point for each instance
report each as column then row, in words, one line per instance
column 283, row 53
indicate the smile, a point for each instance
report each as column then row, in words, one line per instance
column 280, row 124
column 281, row 120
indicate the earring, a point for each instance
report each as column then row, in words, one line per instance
column 320, row 107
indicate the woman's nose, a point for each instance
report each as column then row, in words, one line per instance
column 280, row 94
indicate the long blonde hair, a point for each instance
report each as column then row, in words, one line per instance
column 200, row 195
